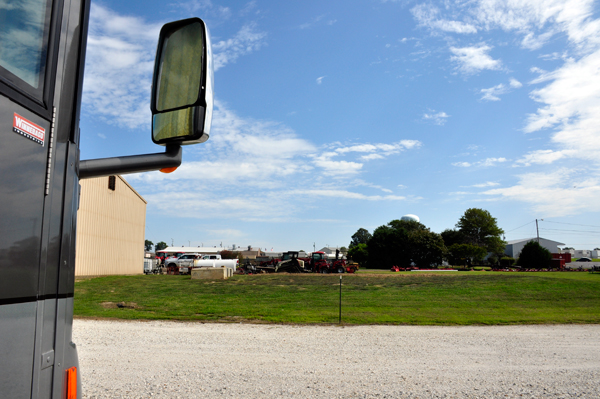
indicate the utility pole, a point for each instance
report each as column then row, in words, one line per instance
column 538, row 230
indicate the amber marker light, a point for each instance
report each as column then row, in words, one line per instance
column 168, row 170
column 71, row 392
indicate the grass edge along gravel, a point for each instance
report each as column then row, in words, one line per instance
column 469, row 298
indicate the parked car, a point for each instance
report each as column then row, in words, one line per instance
column 583, row 260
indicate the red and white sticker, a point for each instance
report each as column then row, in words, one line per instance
column 28, row 129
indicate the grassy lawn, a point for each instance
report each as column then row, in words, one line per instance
column 368, row 297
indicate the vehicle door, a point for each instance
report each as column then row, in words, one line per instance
column 39, row 90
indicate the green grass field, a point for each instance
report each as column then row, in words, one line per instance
column 460, row 298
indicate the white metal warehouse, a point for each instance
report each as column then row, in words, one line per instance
column 514, row 247
column 110, row 228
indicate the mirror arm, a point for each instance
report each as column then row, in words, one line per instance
column 171, row 158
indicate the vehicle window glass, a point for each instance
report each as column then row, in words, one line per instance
column 24, row 28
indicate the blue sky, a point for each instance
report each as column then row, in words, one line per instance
column 332, row 116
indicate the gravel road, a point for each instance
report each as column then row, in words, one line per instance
column 194, row 360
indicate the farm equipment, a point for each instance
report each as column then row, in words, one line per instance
column 290, row 262
column 318, row 263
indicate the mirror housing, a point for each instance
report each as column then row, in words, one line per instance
column 182, row 86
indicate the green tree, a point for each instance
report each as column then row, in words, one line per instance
column 479, row 228
column 451, row 237
column 362, row 236
column 160, row 246
column 389, row 246
column 427, row 248
column 401, row 242
column 534, row 256
column 359, row 254
column 148, row 245
column 463, row 254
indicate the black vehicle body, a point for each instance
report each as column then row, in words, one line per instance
column 40, row 102
column 39, row 199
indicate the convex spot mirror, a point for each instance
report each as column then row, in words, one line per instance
column 182, row 86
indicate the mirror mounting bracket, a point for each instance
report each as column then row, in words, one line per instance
column 171, row 158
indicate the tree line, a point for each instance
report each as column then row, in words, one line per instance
column 406, row 243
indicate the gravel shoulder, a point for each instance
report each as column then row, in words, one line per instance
column 208, row 360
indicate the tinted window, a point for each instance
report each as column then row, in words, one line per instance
column 24, row 27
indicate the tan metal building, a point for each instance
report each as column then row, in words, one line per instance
column 111, row 224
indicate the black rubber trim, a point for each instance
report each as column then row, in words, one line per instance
column 25, row 299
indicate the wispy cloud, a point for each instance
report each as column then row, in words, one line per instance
column 486, row 184
column 483, row 163
column 437, row 118
column 318, row 20
column 494, row 93
column 268, row 162
column 541, row 157
column 119, row 66
column 428, row 15
column 474, row 59
column 320, row 79
column 559, row 193
column 568, row 96
column 120, row 63
column 246, row 41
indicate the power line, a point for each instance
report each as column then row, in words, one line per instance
column 508, row 231
column 573, row 224
column 574, row 231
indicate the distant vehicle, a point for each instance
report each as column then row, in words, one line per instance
column 583, row 260
column 186, row 262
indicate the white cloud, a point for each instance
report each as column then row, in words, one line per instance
column 571, row 106
column 486, row 184
column 320, row 79
column 492, row 93
column 348, row 195
column 540, row 157
column 484, row 163
column 371, row 157
column 535, row 21
column 515, row 84
column 474, row 59
column 246, row 41
column 318, row 20
column 492, row 161
column 428, row 15
column 558, row 193
column 120, row 63
column 263, row 164
column 462, row 164
column 437, row 118
column 336, row 168
column 119, row 66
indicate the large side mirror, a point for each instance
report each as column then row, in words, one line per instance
column 182, row 86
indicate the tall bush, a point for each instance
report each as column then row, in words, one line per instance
column 534, row 256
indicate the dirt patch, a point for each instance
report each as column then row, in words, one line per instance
column 119, row 305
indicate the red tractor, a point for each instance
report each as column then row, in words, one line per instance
column 318, row 263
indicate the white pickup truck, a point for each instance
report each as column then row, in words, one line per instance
column 185, row 263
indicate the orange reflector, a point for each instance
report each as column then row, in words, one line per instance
column 168, row 170
column 71, row 383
